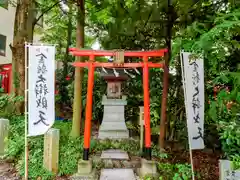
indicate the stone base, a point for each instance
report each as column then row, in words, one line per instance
column 148, row 168
column 84, row 167
column 113, row 124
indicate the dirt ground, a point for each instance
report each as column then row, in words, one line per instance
column 205, row 162
column 7, row 171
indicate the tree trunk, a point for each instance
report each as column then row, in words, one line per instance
column 64, row 83
column 165, row 78
column 22, row 33
column 69, row 41
column 77, row 105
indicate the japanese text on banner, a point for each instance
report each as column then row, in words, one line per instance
column 194, row 97
column 41, row 103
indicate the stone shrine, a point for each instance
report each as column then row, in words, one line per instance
column 113, row 124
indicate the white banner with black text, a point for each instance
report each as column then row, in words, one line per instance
column 193, row 83
column 41, row 82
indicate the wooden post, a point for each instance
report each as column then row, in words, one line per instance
column 163, row 122
column 4, row 127
column 141, row 123
column 51, row 150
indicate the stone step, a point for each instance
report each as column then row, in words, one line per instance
column 115, row 154
column 133, row 163
column 113, row 127
column 113, row 134
column 117, row 174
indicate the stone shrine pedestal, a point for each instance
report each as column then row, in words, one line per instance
column 113, row 124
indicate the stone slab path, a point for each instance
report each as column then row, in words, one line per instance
column 114, row 154
column 117, row 174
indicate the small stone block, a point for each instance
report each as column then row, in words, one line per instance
column 51, row 150
column 148, row 168
column 117, row 174
column 4, row 127
column 84, row 167
column 114, row 154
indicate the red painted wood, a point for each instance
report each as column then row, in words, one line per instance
column 146, row 98
column 88, row 120
column 154, row 53
column 113, row 65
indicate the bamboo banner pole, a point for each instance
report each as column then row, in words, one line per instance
column 26, row 111
column 186, row 102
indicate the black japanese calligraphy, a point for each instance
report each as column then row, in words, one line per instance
column 44, row 103
column 41, row 90
column 200, row 135
column 38, row 100
column 196, row 92
column 196, row 118
column 42, row 56
column 41, row 79
column 42, row 119
column 196, row 104
column 195, row 75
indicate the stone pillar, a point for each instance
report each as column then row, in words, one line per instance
column 51, row 150
column 4, row 128
column 113, row 125
column 226, row 171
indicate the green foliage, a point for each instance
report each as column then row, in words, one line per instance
column 70, row 150
column 7, row 104
column 227, row 118
column 175, row 171
column 98, row 91
column 236, row 161
column 69, row 153
column 1, row 90
column 216, row 40
column 157, row 153
column 130, row 146
column 230, row 137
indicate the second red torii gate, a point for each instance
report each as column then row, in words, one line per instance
column 91, row 64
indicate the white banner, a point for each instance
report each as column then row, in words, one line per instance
column 41, row 97
column 193, row 83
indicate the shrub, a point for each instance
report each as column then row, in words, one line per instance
column 175, row 171
column 7, row 104
column 69, row 152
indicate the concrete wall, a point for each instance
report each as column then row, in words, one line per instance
column 7, row 17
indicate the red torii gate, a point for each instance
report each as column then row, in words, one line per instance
column 91, row 65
